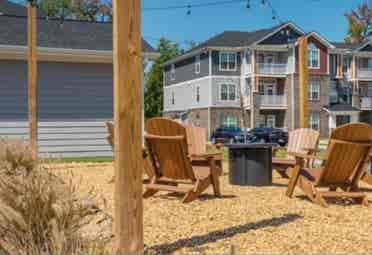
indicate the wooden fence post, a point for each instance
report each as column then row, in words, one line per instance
column 32, row 75
column 127, row 117
column 304, row 83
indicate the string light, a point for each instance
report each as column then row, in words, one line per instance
column 188, row 10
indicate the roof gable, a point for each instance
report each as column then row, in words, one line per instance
column 320, row 39
column 284, row 35
column 365, row 47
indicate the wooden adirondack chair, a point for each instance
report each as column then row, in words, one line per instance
column 347, row 152
column 172, row 164
column 195, row 138
column 146, row 164
column 303, row 141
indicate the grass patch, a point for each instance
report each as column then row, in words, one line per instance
column 82, row 160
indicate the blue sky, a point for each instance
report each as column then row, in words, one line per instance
column 324, row 16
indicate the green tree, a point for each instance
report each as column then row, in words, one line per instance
column 87, row 9
column 154, row 81
column 360, row 24
column 56, row 8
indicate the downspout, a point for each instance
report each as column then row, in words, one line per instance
column 210, row 94
column 293, row 88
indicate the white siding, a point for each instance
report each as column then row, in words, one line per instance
column 185, row 95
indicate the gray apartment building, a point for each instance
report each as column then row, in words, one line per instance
column 257, row 73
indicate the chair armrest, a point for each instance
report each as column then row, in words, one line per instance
column 302, row 156
column 204, row 156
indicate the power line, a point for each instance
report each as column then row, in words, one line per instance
column 189, row 6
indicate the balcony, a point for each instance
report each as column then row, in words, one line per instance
column 272, row 69
column 273, row 101
column 365, row 73
column 366, row 103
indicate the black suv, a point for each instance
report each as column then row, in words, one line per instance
column 227, row 135
column 267, row 135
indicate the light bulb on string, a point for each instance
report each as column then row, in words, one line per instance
column 188, row 10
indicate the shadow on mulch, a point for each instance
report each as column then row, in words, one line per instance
column 214, row 236
column 202, row 197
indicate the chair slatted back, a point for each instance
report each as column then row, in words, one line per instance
column 302, row 139
column 196, row 139
column 347, row 151
column 169, row 157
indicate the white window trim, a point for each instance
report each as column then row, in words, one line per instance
column 219, row 91
column 197, row 64
column 266, row 83
column 310, row 94
column 236, row 61
column 173, row 73
column 311, row 62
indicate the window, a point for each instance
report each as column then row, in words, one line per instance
column 262, row 121
column 173, row 98
column 229, row 120
column 314, row 121
column 270, row 121
column 314, row 90
column 227, row 92
column 173, row 73
column 227, row 61
column 197, row 64
column 267, row 87
column 312, row 56
column 197, row 94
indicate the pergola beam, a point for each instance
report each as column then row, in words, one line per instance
column 127, row 118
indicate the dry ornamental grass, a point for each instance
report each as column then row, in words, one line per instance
column 45, row 213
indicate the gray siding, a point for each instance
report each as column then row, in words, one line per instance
column 216, row 65
column 13, row 90
column 74, row 102
column 185, row 70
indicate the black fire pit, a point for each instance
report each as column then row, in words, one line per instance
column 250, row 164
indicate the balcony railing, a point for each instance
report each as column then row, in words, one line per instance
column 274, row 69
column 273, row 101
column 366, row 103
column 365, row 73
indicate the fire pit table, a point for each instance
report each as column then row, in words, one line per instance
column 250, row 164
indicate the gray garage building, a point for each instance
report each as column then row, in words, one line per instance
column 74, row 83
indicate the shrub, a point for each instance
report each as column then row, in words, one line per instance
column 45, row 213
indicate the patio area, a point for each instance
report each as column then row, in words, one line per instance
column 252, row 219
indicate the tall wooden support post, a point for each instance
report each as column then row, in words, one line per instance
column 304, row 81
column 127, row 117
column 32, row 74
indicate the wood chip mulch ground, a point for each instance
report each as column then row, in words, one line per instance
column 252, row 219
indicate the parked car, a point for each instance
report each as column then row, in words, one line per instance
column 268, row 135
column 227, row 135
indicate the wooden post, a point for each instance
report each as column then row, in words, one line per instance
column 127, row 117
column 32, row 74
column 304, row 81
